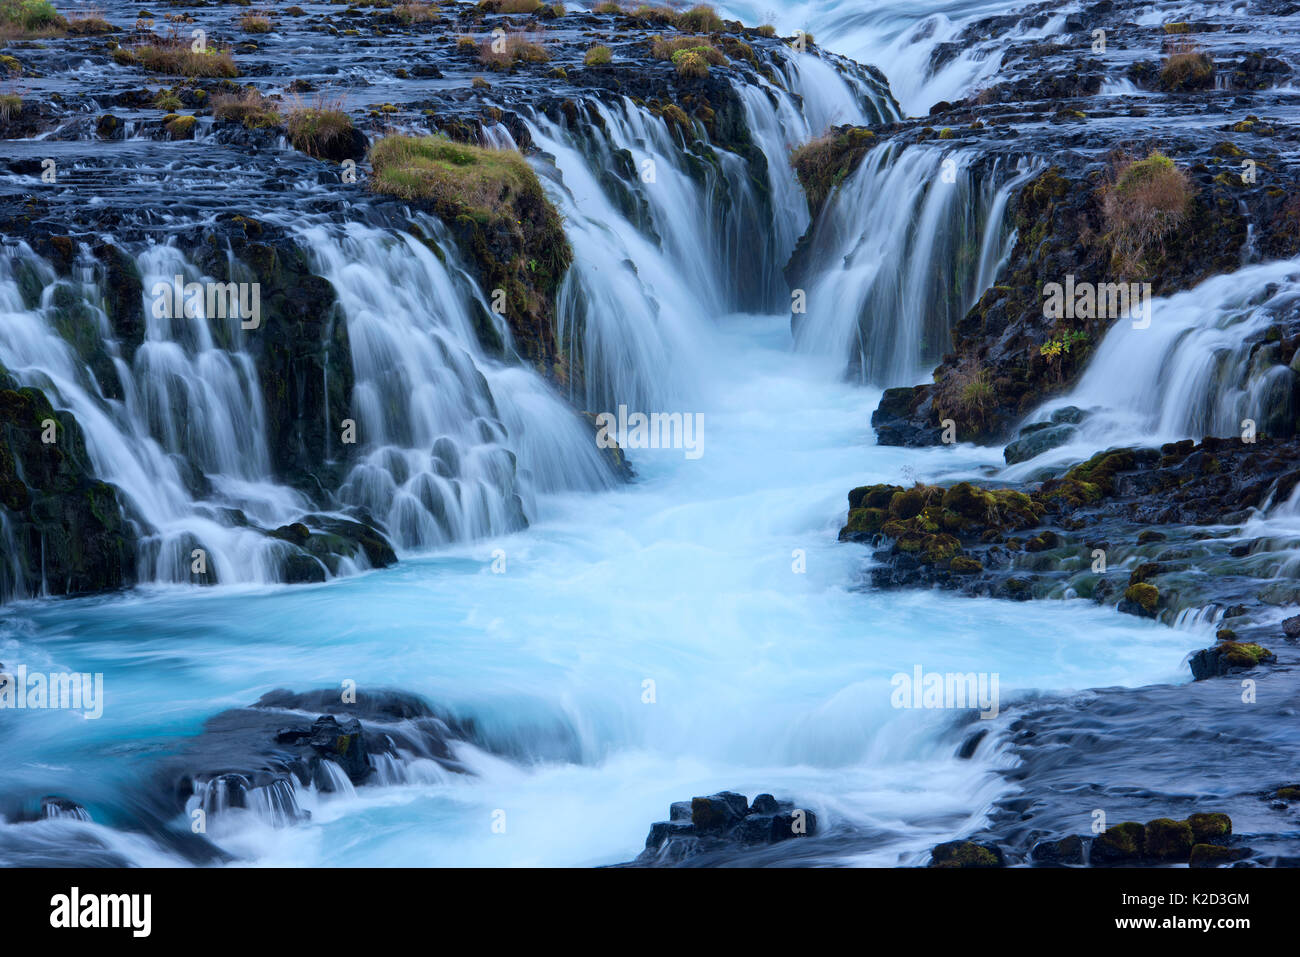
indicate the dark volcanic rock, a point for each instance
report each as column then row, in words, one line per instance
column 66, row 527
column 721, row 822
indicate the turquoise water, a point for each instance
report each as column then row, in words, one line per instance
column 765, row 678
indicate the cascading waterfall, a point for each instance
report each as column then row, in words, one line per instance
column 454, row 446
column 186, row 407
column 442, row 429
column 909, row 241
column 1199, row 368
column 686, row 232
column 902, row 37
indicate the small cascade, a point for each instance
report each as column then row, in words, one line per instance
column 911, row 42
column 332, row 779
column 177, row 428
column 906, row 246
column 64, row 811
column 668, row 231
column 453, row 446
column 1203, row 366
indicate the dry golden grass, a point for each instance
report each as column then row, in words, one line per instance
column 255, row 23
column 1146, row 200
column 503, row 53
column 249, row 108
column 316, row 129
column 175, row 58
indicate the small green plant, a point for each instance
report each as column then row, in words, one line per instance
column 30, row 16
column 167, row 100
column 598, row 56
column 1055, row 350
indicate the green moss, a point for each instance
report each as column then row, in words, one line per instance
column 965, row 565
column 823, row 163
column 1244, row 654
column 963, row 854
column 494, row 202
column 1145, row 596
column 1208, row 826
column 1168, row 840
column 1121, row 842
column 598, row 56
column 179, row 127
column 1212, row 855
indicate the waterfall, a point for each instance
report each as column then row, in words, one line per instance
column 1201, row 367
column 667, row 234
column 907, row 244
column 907, row 39
column 453, row 446
column 187, row 409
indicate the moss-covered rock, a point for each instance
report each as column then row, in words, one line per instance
column 1168, row 840
column 966, row 854
column 1141, row 599
column 502, row 219
column 1123, row 843
column 1207, row 826
column 65, row 526
column 1212, row 855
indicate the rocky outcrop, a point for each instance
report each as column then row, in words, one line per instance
column 62, row 529
column 706, row 827
column 1135, row 528
column 301, row 348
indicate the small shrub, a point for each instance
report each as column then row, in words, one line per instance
column 11, row 104
column 1148, row 200
column 767, row 30
column 30, row 16
column 700, row 19
column 511, row 6
column 318, row 130
column 518, row 49
column 249, row 108
column 667, row 48
column 89, row 26
column 177, row 59
column 167, row 100
column 608, row 7
column 255, row 23
column 689, row 63
column 652, row 14
column 598, row 56
column 410, row 13
column 1186, row 68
